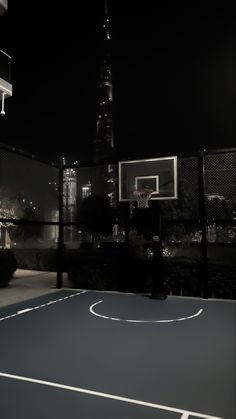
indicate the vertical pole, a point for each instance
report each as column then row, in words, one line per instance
column 203, row 223
column 126, row 206
column 157, row 261
column 60, row 247
column 2, row 113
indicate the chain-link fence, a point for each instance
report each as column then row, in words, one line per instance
column 198, row 229
column 70, row 219
column 29, row 212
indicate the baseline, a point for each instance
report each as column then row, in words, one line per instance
column 142, row 321
column 185, row 414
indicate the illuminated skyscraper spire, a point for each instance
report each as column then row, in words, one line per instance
column 104, row 142
column 106, row 22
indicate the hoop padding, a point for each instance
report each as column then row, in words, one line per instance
column 142, row 197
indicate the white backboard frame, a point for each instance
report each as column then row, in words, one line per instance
column 148, row 163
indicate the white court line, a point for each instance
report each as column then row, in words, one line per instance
column 26, row 310
column 185, row 413
column 142, row 321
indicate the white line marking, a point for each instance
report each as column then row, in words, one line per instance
column 186, row 413
column 142, row 321
column 41, row 306
column 24, row 311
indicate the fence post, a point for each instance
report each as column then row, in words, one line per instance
column 203, row 223
column 157, row 265
column 60, row 244
column 126, row 212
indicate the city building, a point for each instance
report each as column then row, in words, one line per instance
column 101, row 178
column 70, row 194
column 104, row 140
column 105, row 181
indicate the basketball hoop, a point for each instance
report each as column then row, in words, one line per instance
column 142, row 196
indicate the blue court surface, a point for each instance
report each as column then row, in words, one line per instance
column 78, row 354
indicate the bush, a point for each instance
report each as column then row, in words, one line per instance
column 37, row 259
column 222, row 281
column 8, row 265
column 101, row 268
column 183, row 276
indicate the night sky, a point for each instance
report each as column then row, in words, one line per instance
column 173, row 72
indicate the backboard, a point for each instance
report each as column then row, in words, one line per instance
column 157, row 174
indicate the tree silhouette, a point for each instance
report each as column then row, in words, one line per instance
column 96, row 216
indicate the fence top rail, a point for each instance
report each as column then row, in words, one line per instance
column 179, row 155
column 23, row 221
column 220, row 150
column 28, row 155
column 22, row 153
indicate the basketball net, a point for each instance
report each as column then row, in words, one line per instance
column 142, row 197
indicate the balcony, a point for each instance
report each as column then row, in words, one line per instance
column 5, row 74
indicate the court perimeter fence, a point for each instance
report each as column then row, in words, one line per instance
column 42, row 227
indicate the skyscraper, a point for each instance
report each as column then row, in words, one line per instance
column 104, row 140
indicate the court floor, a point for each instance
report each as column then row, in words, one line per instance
column 86, row 354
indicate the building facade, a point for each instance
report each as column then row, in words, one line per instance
column 104, row 150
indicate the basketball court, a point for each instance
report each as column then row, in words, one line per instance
column 89, row 354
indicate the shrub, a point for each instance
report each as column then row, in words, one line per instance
column 101, row 268
column 8, row 266
column 37, row 259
